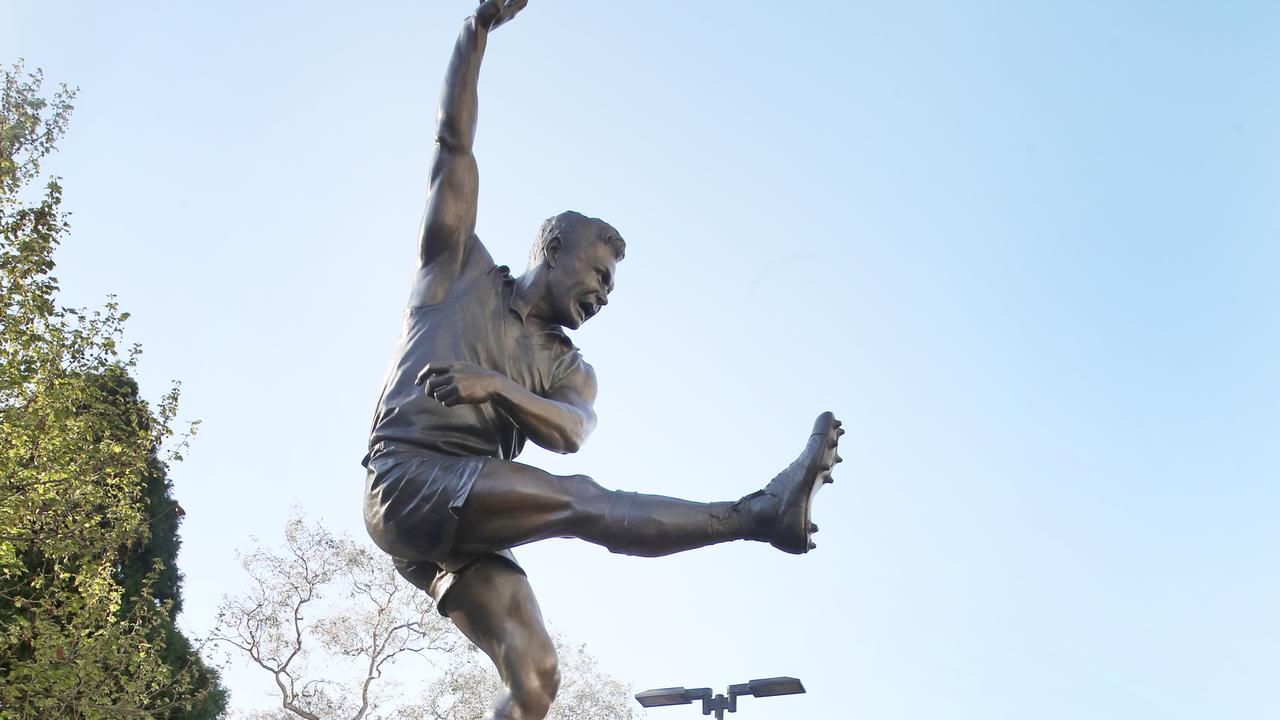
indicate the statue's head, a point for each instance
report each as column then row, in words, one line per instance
column 578, row 256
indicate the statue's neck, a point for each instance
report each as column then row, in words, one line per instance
column 531, row 299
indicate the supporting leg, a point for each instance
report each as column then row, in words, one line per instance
column 492, row 604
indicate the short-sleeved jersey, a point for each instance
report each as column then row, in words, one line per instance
column 475, row 323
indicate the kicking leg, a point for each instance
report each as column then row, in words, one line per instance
column 512, row 504
column 492, row 604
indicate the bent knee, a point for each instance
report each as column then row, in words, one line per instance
column 584, row 487
column 534, row 687
column 582, row 497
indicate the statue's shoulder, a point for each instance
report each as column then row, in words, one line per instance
column 444, row 280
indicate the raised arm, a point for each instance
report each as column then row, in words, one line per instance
column 454, row 185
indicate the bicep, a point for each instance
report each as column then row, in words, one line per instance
column 577, row 389
column 450, row 216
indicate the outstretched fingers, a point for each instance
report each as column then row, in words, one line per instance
column 509, row 10
column 494, row 13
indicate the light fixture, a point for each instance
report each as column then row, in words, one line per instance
column 672, row 696
column 718, row 704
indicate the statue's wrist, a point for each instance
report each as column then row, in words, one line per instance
column 502, row 389
column 479, row 24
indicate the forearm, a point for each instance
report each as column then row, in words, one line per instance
column 556, row 426
column 459, row 100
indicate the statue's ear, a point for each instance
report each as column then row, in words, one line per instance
column 552, row 251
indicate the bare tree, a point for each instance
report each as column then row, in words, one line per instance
column 586, row 692
column 328, row 618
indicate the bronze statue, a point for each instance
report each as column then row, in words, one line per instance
column 482, row 364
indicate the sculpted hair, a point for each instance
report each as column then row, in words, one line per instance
column 573, row 228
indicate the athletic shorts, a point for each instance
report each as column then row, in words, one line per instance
column 411, row 502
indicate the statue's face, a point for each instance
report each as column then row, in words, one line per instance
column 579, row 281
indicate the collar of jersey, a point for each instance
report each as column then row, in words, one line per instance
column 521, row 310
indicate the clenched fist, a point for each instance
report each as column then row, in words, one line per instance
column 460, row 383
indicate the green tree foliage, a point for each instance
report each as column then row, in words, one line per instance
column 88, row 586
column 149, row 569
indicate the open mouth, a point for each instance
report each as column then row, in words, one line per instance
column 587, row 309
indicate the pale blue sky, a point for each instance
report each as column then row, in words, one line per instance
column 1027, row 251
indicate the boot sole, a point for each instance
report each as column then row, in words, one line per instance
column 793, row 532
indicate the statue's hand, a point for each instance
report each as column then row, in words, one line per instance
column 493, row 13
column 460, row 383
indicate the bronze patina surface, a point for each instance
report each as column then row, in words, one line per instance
column 484, row 365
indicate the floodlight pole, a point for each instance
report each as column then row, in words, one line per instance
column 719, row 703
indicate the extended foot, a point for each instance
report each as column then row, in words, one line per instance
column 780, row 512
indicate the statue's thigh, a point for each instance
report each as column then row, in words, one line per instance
column 503, row 487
